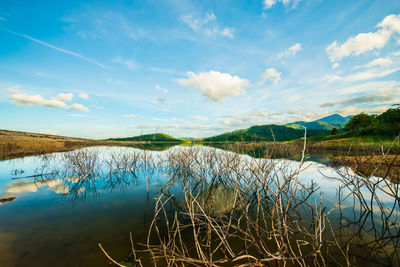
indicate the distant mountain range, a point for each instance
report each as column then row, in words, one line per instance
column 325, row 123
column 290, row 131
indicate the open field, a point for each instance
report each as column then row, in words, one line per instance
column 15, row 144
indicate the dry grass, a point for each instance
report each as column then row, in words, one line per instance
column 14, row 144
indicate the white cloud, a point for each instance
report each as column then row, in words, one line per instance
column 65, row 97
column 379, row 62
column 371, row 87
column 159, row 88
column 300, row 114
column 129, row 116
column 270, row 74
column 365, row 75
column 270, row 3
column 365, row 42
column 59, row 101
column 391, row 22
column 76, row 106
column 207, row 25
column 84, row 96
column 335, row 65
column 215, row 85
column 354, row 110
column 25, row 186
column 292, row 51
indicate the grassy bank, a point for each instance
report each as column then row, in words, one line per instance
column 14, row 144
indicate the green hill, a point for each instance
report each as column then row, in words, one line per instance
column 315, row 125
column 157, row 137
column 265, row 133
column 335, row 118
column 326, row 123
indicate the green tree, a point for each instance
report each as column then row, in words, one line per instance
column 361, row 122
column 389, row 121
column 334, row 131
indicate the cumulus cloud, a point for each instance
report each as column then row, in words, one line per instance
column 59, row 101
column 292, row 51
column 270, row 3
column 365, row 42
column 207, row 25
column 270, row 74
column 214, row 85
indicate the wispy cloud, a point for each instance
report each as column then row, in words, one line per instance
column 270, row 74
column 361, row 76
column 292, row 51
column 159, row 88
column 270, row 3
column 243, row 120
column 57, row 48
column 207, row 25
column 128, row 63
column 359, row 100
column 84, row 96
column 351, row 110
column 129, row 116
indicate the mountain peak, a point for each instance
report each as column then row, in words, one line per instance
column 335, row 118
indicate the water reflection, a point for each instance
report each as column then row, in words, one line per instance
column 262, row 206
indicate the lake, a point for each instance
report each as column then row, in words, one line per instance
column 56, row 208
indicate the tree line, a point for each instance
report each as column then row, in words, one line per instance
column 387, row 123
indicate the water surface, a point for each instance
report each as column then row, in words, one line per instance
column 58, row 219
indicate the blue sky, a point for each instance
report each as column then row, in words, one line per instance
column 101, row 69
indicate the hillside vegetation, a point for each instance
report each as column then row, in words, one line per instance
column 157, row 137
column 265, row 133
column 326, row 123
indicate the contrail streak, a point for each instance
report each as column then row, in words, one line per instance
column 57, row 48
